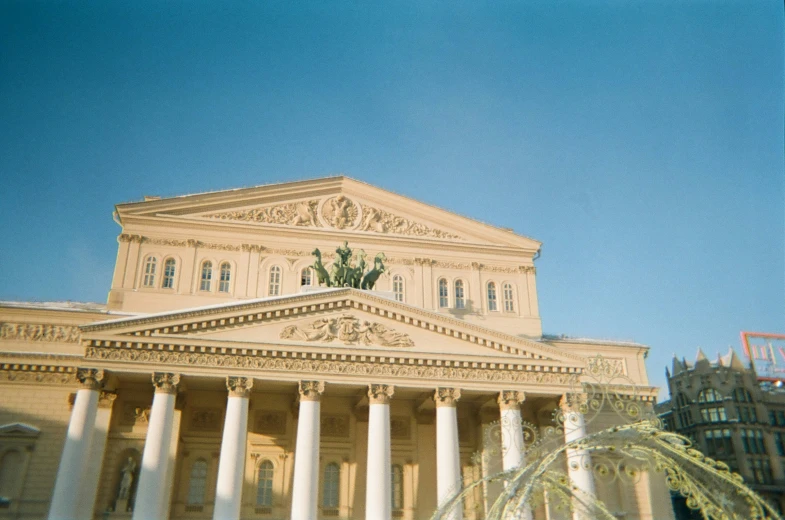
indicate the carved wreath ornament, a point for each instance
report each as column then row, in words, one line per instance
column 349, row 330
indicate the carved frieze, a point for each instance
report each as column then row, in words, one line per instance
column 349, row 330
column 381, row 221
column 270, row 422
column 52, row 378
column 334, row 426
column 205, row 419
column 353, row 368
column 40, row 332
column 336, row 212
column 293, row 214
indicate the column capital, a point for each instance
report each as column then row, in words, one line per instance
column 239, row 386
column 311, row 390
column 90, row 378
column 445, row 396
column 380, row 394
column 165, row 382
column 510, row 399
column 574, row 402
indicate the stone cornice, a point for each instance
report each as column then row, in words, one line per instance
column 37, row 373
column 391, row 367
column 252, row 312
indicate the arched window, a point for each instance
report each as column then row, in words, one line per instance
column 10, row 469
column 169, row 267
column 397, row 487
column 264, row 487
column 275, row 281
column 460, row 297
column 207, row 276
column 709, row 395
column 305, row 277
column 444, row 296
column 509, row 306
column 149, row 272
column 398, row 287
column 197, row 483
column 331, row 486
column 226, row 277
column 492, row 306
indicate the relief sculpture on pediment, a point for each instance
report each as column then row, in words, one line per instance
column 336, row 212
column 340, row 212
column 294, row 214
column 381, row 221
column 349, row 330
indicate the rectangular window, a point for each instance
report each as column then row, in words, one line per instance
column 778, row 441
column 780, row 417
column 761, row 471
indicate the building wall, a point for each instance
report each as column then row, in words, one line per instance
column 689, row 413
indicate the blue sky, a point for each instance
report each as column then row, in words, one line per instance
column 640, row 141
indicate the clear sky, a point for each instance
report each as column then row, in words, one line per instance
column 640, row 141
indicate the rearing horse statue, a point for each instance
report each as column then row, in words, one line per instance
column 369, row 280
column 322, row 276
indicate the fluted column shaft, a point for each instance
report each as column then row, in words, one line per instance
column 513, row 454
column 305, row 488
column 151, row 493
column 578, row 460
column 448, row 461
column 65, row 497
column 378, row 489
column 229, row 488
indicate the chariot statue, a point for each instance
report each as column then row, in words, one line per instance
column 348, row 270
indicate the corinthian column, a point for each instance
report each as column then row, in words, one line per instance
column 228, row 494
column 95, row 460
column 378, row 491
column 152, row 490
column 512, row 435
column 578, row 460
column 306, row 456
column 448, row 460
column 65, row 497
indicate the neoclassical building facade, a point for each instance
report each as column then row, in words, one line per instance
column 222, row 380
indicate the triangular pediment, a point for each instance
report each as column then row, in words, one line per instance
column 334, row 321
column 333, row 205
column 19, row 430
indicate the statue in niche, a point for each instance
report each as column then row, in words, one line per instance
column 126, row 479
